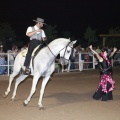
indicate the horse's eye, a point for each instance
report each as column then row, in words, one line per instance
column 68, row 51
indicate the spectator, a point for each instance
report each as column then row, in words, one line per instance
column 76, row 52
column 108, row 49
column 72, row 58
column 12, row 54
column 116, row 59
column 98, row 50
column 86, row 57
column 2, row 62
column 90, row 58
column 82, row 59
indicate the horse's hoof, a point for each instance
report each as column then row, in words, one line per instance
column 24, row 104
column 4, row 95
column 42, row 108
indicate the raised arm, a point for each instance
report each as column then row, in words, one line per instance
column 97, row 55
column 113, row 52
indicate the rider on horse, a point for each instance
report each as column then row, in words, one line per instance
column 37, row 35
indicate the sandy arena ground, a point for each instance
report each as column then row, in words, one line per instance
column 68, row 96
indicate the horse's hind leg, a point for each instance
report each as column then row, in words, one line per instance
column 10, row 82
column 18, row 81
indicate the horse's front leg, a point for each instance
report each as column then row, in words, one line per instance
column 44, row 82
column 33, row 89
column 18, row 81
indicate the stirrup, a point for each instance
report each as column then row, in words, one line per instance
column 27, row 71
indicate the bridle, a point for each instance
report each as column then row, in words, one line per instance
column 65, row 51
column 60, row 50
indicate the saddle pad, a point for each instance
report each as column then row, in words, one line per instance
column 24, row 52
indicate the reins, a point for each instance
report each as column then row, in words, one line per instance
column 60, row 50
column 51, row 52
column 49, row 48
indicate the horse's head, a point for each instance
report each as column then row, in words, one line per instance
column 66, row 52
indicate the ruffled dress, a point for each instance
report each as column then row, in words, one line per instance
column 106, row 84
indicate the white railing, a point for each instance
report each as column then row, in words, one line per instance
column 6, row 57
column 80, row 63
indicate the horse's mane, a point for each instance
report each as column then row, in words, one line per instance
column 59, row 41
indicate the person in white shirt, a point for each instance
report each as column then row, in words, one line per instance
column 11, row 59
column 12, row 55
column 37, row 35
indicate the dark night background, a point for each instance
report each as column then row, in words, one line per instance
column 74, row 16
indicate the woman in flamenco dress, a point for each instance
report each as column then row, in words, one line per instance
column 106, row 84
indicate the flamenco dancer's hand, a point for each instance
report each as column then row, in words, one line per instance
column 90, row 47
column 114, row 49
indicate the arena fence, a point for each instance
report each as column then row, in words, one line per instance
column 81, row 64
column 78, row 65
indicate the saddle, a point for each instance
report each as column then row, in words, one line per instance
column 24, row 52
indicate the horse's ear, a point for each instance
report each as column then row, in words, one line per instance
column 74, row 41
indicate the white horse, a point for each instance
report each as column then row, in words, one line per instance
column 44, row 65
